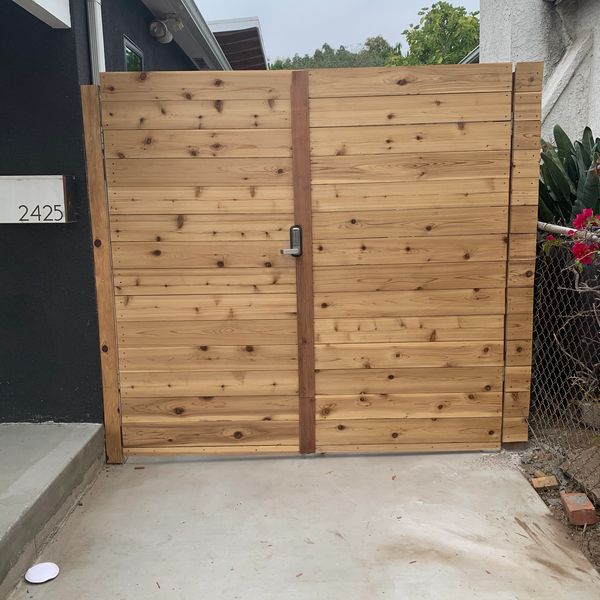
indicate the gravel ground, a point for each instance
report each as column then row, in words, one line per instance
column 537, row 459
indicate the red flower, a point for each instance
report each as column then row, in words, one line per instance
column 584, row 253
column 581, row 220
column 549, row 238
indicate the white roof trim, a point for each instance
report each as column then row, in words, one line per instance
column 196, row 38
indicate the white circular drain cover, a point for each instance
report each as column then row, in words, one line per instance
column 41, row 572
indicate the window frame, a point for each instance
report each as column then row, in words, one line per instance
column 131, row 46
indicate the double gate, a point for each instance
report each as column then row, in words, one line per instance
column 405, row 324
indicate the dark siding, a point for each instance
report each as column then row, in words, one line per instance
column 132, row 18
column 49, row 364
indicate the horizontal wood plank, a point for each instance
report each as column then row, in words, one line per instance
column 526, row 135
column 213, row 450
column 402, row 139
column 222, row 383
column 521, row 273
column 516, row 404
column 158, row 282
column 203, row 114
column 212, row 433
column 528, row 76
column 410, row 380
column 528, row 106
column 411, row 354
column 194, row 85
column 404, row 167
column 209, row 358
column 409, row 406
column 409, row 303
column 410, row 110
column 437, row 222
column 519, row 325
column 398, row 431
column 410, row 329
column 523, row 219
column 201, row 200
column 206, row 308
column 173, row 255
column 136, row 334
column 522, row 246
column 517, row 379
column 400, row 448
column 204, row 171
column 200, row 228
column 203, row 143
column 406, row 250
column 209, row 408
column 515, row 429
column 526, row 163
column 519, row 300
column 431, row 276
column 392, row 81
column 518, row 352
column 411, row 194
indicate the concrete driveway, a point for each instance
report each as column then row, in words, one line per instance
column 411, row 527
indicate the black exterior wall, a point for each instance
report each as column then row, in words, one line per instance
column 132, row 18
column 49, row 360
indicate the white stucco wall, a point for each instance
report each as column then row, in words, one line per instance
column 565, row 34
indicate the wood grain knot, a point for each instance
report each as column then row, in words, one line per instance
column 394, row 435
column 104, row 348
column 249, row 348
column 487, row 388
column 220, row 264
column 178, row 410
column 238, row 435
column 391, row 377
column 157, row 252
column 341, row 427
column 97, row 243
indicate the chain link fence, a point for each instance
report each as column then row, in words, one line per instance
column 564, row 416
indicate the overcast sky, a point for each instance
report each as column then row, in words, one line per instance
column 302, row 26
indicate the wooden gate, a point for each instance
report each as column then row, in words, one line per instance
column 406, row 322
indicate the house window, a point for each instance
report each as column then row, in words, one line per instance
column 134, row 57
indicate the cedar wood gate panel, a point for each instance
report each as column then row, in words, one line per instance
column 405, row 324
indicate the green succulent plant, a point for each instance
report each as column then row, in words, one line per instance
column 569, row 177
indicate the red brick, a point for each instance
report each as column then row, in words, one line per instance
column 579, row 509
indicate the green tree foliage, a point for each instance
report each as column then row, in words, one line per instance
column 444, row 34
column 374, row 53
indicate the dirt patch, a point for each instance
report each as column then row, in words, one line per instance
column 587, row 538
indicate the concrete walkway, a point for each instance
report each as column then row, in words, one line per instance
column 436, row 527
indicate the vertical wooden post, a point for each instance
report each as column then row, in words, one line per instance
column 96, row 185
column 524, row 176
column 304, row 264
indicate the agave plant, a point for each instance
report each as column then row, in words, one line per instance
column 569, row 177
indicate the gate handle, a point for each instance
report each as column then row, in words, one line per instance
column 295, row 248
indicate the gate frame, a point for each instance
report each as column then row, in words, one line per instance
column 103, row 271
column 527, row 81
